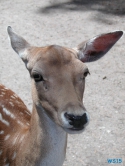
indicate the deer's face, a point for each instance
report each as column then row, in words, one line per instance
column 58, row 78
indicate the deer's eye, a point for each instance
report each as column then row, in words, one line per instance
column 38, row 77
column 86, row 73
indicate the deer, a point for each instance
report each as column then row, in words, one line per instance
column 39, row 137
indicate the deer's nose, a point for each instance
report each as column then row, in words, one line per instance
column 78, row 122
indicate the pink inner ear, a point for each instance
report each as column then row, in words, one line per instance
column 106, row 41
column 99, row 46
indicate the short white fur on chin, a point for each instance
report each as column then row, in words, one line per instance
column 70, row 131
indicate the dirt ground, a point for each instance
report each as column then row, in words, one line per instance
column 67, row 23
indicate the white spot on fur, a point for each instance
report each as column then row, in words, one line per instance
column 22, row 137
column 13, row 97
column 27, row 123
column 14, row 141
column 1, row 152
column 3, row 120
column 7, row 137
column 11, row 104
column 2, row 106
column 3, row 89
column 19, row 122
column 8, row 113
column 27, row 112
column 21, row 113
column 1, row 132
column 7, row 164
column 18, row 102
column 5, row 159
column 14, row 155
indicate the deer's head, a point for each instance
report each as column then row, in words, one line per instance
column 58, row 76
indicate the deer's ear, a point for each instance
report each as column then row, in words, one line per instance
column 98, row 46
column 19, row 44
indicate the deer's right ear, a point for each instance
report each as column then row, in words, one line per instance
column 19, row 44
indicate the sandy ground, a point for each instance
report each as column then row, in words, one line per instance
column 45, row 22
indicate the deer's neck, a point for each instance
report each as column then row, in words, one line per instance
column 47, row 141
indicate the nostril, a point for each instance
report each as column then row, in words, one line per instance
column 69, row 116
column 84, row 118
column 71, row 122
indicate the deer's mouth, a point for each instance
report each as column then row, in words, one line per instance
column 74, row 130
column 77, row 129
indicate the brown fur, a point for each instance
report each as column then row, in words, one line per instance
column 18, row 125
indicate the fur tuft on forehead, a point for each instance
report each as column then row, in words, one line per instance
column 53, row 55
column 58, row 55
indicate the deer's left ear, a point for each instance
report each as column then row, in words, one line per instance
column 98, row 46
